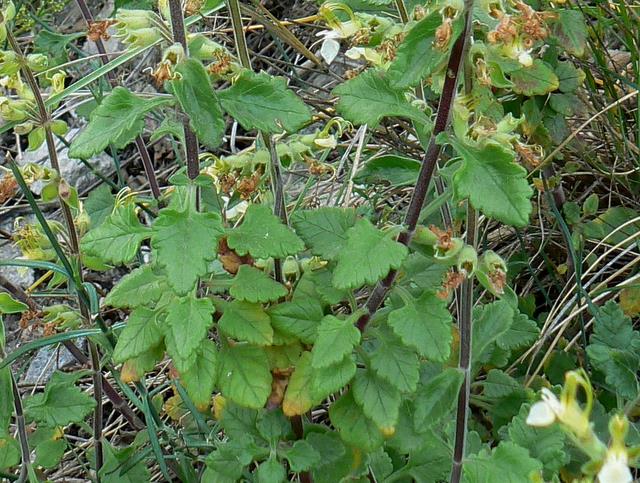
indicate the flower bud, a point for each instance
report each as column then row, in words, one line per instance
column 142, row 37
column 23, row 128
column 424, row 236
column 203, row 48
column 448, row 253
column 59, row 127
column 37, row 62
column 128, row 20
column 467, row 260
column 9, row 64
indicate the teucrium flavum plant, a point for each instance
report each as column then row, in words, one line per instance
column 321, row 343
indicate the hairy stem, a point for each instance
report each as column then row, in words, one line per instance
column 465, row 316
column 74, row 244
column 427, row 169
column 190, row 139
column 140, row 145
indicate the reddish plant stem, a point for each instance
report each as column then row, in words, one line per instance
column 190, row 139
column 429, row 163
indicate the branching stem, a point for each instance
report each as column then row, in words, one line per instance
column 429, row 163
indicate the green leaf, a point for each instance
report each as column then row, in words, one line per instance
column 379, row 399
column 9, row 452
column 263, row 102
column 522, row 333
column 494, row 183
column 199, row 380
column 491, row 321
column 396, row 363
column 332, row 378
column 298, row 398
column 139, row 335
column 417, row 56
column 118, row 238
column 299, row 318
column 185, row 242
column 244, row 375
column 115, row 459
column 50, row 452
column 569, row 76
column 188, row 320
column 368, row 98
column 602, row 228
column 437, row 397
column 247, row 322
column 271, row 471
column 352, row 424
column 507, row 463
column 613, row 349
column 390, row 169
column 143, row 286
column 499, row 384
column 263, row 235
column 253, row 285
column 324, row 229
column 545, row 444
column 424, row 324
column 367, row 256
column 536, row 80
column 62, row 403
column 570, row 29
column 302, row 456
column 116, row 121
column 9, row 305
column 198, row 100
column 336, row 339
column 99, row 204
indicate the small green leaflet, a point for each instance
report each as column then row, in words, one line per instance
column 302, row 456
column 62, row 403
column 299, row 318
column 117, row 121
column 417, row 56
column 491, row 321
column 570, row 29
column 244, row 375
column 367, row 256
column 613, row 349
column 494, row 183
column 9, row 305
column 536, row 80
column 99, row 204
column 246, row 322
column 198, row 100
column 262, row 102
column 437, row 397
column 352, row 424
column 298, row 398
column 336, row 339
column 271, row 471
column 324, row 229
column 396, row 363
column 139, row 335
column 199, row 380
column 118, row 238
column 253, row 285
column 545, row 444
column 522, row 333
column 142, row 286
column 332, row 378
column 185, row 242
column 368, row 98
column 425, row 325
column 9, row 452
column 389, row 169
column 379, row 399
column 263, row 235
column 508, row 462
column 188, row 320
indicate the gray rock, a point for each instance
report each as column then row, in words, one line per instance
column 21, row 276
column 75, row 172
column 48, row 360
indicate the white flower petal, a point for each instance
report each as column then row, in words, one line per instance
column 327, row 143
column 615, row 470
column 541, row 414
column 355, row 53
column 329, row 50
column 552, row 400
column 525, row 59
